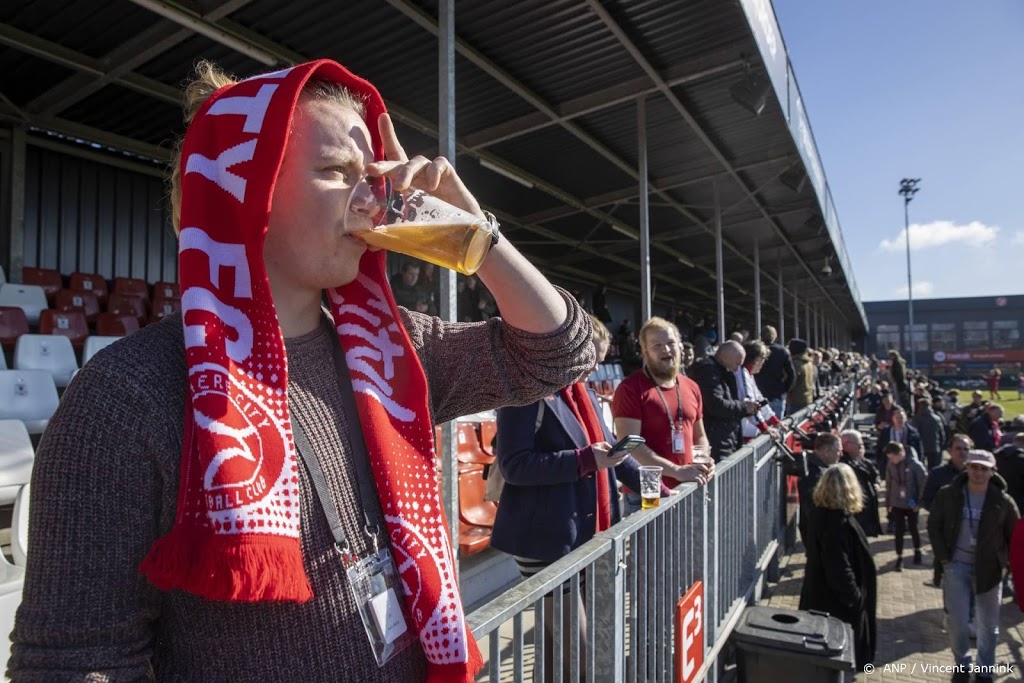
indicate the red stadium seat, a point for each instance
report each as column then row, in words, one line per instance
column 473, row 509
column 163, row 308
column 473, row 539
column 13, row 324
column 85, row 301
column 166, row 290
column 127, row 304
column 90, row 282
column 469, row 450
column 70, row 324
column 488, row 430
column 114, row 325
column 46, row 278
column 132, row 286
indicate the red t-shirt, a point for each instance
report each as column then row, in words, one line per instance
column 637, row 398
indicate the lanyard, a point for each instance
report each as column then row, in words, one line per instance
column 679, row 402
column 360, row 459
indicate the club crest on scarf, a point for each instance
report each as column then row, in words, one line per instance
column 236, row 534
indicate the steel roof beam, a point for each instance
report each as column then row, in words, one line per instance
column 590, row 103
column 150, row 43
column 53, row 52
column 477, row 59
column 698, row 130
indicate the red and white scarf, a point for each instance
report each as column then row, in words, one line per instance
column 236, row 533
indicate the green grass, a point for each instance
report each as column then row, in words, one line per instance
column 1012, row 406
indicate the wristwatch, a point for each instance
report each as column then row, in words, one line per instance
column 494, row 225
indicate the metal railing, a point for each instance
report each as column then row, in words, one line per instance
column 620, row 589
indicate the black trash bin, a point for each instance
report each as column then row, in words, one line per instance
column 781, row 645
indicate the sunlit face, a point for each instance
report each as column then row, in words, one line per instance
column 689, row 355
column 757, row 365
column 958, row 454
column 601, row 347
column 306, row 246
column 853, row 446
column 660, row 351
column 979, row 474
column 898, row 419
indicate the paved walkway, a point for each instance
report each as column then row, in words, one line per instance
column 910, row 634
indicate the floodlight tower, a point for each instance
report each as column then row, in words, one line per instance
column 908, row 188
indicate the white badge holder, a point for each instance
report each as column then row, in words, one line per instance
column 678, row 440
column 376, row 589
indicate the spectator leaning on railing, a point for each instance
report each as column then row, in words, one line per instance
column 665, row 408
column 724, row 410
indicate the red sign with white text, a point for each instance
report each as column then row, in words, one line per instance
column 690, row 634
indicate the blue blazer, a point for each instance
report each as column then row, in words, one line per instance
column 546, row 509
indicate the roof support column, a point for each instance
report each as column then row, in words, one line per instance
column 645, row 218
column 447, row 306
column 807, row 324
column 723, row 335
column 817, row 330
column 756, row 333
column 12, row 194
column 796, row 314
column 782, row 303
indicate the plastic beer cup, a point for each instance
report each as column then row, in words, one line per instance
column 650, row 487
column 417, row 224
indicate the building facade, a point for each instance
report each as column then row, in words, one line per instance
column 953, row 338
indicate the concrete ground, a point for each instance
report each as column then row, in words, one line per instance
column 910, row 634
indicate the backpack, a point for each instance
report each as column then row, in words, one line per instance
column 494, row 482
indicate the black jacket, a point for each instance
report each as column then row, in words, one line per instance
column 723, row 411
column 982, row 434
column 1010, row 460
column 777, row 374
column 815, row 468
column 940, row 476
column 867, row 477
column 911, row 439
column 840, row 577
column 995, row 528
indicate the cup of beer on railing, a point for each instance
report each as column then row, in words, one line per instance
column 420, row 225
column 650, row 487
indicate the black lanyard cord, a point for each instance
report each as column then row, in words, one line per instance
column 360, row 459
column 679, row 401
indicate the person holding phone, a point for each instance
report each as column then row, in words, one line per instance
column 561, row 481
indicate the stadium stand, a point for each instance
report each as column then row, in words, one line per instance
column 29, row 298
column 90, row 282
column 78, row 300
column 16, row 456
column 50, row 280
column 29, row 396
column 70, row 324
column 19, row 527
column 13, row 324
column 51, row 353
column 94, row 345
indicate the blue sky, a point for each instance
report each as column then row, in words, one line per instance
column 930, row 89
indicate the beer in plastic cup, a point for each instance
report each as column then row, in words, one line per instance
column 417, row 224
column 701, row 456
column 650, row 487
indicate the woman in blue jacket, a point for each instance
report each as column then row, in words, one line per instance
column 560, row 481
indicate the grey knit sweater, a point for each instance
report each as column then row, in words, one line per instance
column 105, row 485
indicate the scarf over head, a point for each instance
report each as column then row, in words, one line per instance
column 236, row 532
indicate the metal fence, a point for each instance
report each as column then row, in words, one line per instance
column 619, row 590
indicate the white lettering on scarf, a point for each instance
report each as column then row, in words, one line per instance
column 252, row 108
column 217, row 169
column 372, row 364
column 197, row 298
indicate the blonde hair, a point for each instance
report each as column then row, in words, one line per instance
column 657, row 323
column 601, row 333
column 208, row 78
column 838, row 489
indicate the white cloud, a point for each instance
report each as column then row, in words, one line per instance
column 922, row 288
column 938, row 233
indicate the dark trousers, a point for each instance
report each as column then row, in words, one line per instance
column 933, row 459
column 902, row 518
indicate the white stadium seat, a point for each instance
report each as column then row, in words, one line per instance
column 16, row 456
column 19, row 527
column 94, row 344
column 12, row 579
column 29, row 298
column 50, row 352
column 29, row 396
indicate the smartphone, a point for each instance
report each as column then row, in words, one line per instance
column 763, row 403
column 628, row 443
